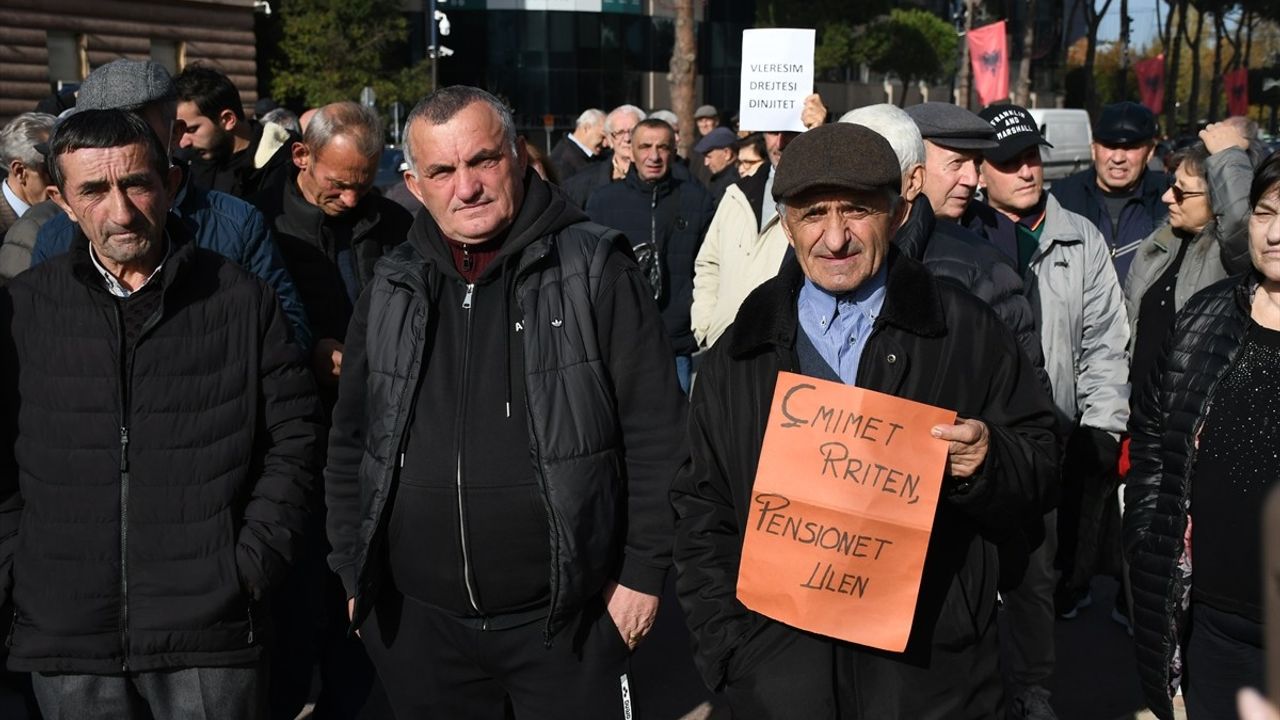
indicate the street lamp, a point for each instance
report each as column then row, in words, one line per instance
column 439, row 26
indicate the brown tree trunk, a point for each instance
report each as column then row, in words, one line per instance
column 1193, row 102
column 1215, row 81
column 683, row 75
column 1093, row 18
column 1171, row 72
column 1023, row 93
column 965, row 74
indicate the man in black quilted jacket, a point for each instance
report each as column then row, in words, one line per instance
column 159, row 443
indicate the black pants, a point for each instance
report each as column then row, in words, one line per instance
column 434, row 666
column 1223, row 655
column 231, row 693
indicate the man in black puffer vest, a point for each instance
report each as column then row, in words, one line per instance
column 507, row 427
column 163, row 429
column 665, row 218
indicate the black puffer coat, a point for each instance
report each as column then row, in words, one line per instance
column 932, row 343
column 1165, row 419
column 155, row 506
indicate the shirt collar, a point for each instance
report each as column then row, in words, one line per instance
column 584, row 148
column 114, row 286
column 867, row 299
column 19, row 207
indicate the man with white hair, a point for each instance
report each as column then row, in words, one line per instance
column 580, row 148
column 949, row 251
column 27, row 181
column 618, row 126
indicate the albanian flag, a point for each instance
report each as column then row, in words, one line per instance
column 1237, row 83
column 989, row 56
column 1150, row 74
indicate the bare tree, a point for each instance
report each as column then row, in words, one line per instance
column 1193, row 40
column 964, row 77
column 1093, row 18
column 1174, row 58
column 683, row 75
column 1023, row 93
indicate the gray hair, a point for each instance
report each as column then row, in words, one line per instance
column 352, row 120
column 441, row 105
column 19, row 138
column 637, row 112
column 666, row 116
column 285, row 118
column 589, row 117
column 894, row 125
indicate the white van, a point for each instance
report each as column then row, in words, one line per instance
column 1069, row 132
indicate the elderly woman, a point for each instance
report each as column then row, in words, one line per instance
column 1203, row 242
column 1205, row 432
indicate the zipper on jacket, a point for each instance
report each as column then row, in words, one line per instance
column 13, row 625
column 462, row 515
column 250, row 608
column 126, row 399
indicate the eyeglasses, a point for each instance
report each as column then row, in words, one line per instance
column 1179, row 194
column 745, row 165
column 619, row 134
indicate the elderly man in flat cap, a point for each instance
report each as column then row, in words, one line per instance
column 954, row 139
column 852, row 309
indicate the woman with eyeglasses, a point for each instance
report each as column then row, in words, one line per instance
column 1206, row 449
column 1203, row 241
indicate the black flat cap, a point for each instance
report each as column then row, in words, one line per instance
column 838, row 155
column 952, row 126
column 1016, row 131
column 1125, row 122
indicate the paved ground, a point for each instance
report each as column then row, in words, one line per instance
column 1097, row 678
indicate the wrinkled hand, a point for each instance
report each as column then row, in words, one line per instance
column 632, row 611
column 814, row 112
column 326, row 360
column 1221, row 135
column 1253, row 706
column 968, row 441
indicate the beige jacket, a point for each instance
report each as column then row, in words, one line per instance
column 735, row 259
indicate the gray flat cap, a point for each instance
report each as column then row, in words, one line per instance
column 839, row 155
column 706, row 111
column 125, row 85
column 951, row 126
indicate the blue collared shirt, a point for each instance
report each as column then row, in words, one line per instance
column 839, row 325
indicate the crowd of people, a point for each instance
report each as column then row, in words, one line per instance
column 273, row 437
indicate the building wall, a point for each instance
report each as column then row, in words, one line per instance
column 173, row 32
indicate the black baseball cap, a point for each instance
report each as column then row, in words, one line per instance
column 1016, row 131
column 1124, row 123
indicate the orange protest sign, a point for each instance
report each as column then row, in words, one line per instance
column 842, row 509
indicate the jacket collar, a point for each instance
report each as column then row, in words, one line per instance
column 181, row 252
column 912, row 238
column 662, row 186
column 768, row 317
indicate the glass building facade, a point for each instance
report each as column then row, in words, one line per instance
column 560, row 62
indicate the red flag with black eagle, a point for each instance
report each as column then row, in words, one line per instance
column 989, row 56
column 1150, row 74
column 1237, row 85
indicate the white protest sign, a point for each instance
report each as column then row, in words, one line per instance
column 777, row 75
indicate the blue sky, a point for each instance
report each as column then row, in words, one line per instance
column 1145, row 29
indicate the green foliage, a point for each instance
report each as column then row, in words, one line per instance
column 835, row 20
column 913, row 44
column 835, row 47
column 330, row 49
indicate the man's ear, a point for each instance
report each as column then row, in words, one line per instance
column 411, row 182
column 56, row 195
column 522, row 155
column 228, row 120
column 914, row 183
column 301, row 156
